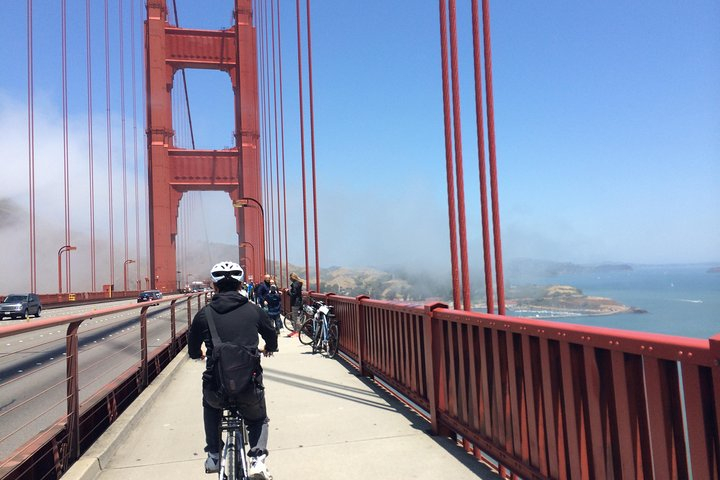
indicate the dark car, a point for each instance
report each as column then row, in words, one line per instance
column 20, row 305
column 149, row 295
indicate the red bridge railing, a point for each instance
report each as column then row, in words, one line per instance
column 545, row 399
column 59, row 442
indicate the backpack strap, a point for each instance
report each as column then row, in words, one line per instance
column 211, row 325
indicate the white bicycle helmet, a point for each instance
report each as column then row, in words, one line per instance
column 225, row 270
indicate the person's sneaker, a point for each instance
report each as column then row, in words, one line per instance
column 212, row 463
column 258, row 470
column 293, row 334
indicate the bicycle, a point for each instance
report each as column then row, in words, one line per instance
column 322, row 330
column 233, row 434
column 306, row 333
column 233, row 461
column 305, row 312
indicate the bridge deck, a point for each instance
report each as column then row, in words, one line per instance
column 325, row 422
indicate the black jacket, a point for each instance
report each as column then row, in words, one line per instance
column 296, row 293
column 261, row 291
column 237, row 321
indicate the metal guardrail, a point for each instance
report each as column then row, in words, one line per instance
column 53, row 450
column 545, row 399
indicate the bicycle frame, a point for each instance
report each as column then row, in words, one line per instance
column 233, row 460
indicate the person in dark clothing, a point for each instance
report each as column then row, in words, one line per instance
column 273, row 307
column 237, row 321
column 295, row 300
column 261, row 291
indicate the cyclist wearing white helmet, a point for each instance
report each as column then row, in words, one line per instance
column 237, row 321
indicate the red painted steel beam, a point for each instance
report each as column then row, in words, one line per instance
column 172, row 171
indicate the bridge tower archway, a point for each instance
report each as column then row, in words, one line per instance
column 172, row 171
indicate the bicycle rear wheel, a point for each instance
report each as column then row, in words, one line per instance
column 228, row 470
column 333, row 339
column 288, row 322
column 306, row 336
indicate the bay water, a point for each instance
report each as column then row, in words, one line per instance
column 679, row 299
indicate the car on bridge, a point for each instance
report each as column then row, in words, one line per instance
column 20, row 305
column 149, row 295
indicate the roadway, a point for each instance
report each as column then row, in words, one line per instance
column 33, row 367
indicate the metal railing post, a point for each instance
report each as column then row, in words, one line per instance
column 433, row 363
column 189, row 311
column 73, row 390
column 172, row 328
column 361, row 334
column 143, row 349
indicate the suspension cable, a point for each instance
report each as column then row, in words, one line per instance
column 109, row 143
column 268, row 116
column 31, row 149
column 277, row 160
column 493, row 163
column 135, row 142
column 66, row 154
column 184, row 79
column 312, row 144
column 123, row 149
column 448, row 154
column 264, row 133
column 282, row 143
column 91, row 166
column 480, row 133
column 302, row 142
column 457, row 129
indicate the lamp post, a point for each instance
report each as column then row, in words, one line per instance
column 187, row 280
column 127, row 262
column 244, row 263
column 252, row 254
column 246, row 202
column 64, row 248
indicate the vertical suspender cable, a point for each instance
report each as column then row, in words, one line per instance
column 238, row 116
column 185, row 89
column 265, row 140
column 91, row 166
column 487, row 256
column 270, row 169
column 66, row 159
column 135, row 141
column 280, row 280
column 123, row 148
column 457, row 127
column 312, row 144
column 493, row 164
column 145, row 169
column 282, row 145
column 448, row 154
column 302, row 142
column 31, row 149
column 261, row 121
column 109, row 145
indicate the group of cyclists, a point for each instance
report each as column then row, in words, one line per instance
column 239, row 321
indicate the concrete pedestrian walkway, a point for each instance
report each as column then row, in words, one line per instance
column 325, row 422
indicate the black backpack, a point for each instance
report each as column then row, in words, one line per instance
column 235, row 367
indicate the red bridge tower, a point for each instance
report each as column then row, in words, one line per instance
column 172, row 170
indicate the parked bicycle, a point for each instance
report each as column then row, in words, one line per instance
column 307, row 325
column 321, row 331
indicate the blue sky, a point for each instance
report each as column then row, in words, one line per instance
column 607, row 123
